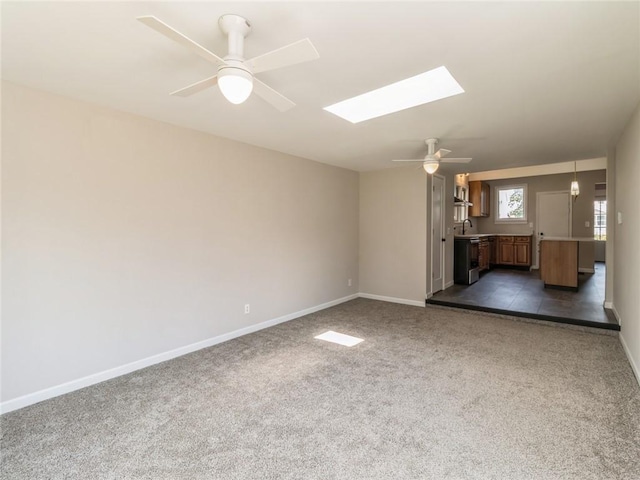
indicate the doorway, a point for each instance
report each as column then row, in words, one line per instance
column 437, row 233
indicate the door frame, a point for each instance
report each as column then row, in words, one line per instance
column 537, row 225
column 443, row 211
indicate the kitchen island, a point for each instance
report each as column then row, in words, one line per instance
column 559, row 261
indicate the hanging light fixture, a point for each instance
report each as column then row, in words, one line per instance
column 575, row 188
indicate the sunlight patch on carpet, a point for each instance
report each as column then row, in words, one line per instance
column 340, row 338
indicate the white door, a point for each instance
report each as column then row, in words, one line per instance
column 437, row 234
column 553, row 216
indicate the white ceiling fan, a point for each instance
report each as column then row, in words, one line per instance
column 235, row 75
column 432, row 160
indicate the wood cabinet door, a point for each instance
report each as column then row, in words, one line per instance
column 485, row 202
column 474, row 197
column 483, row 256
column 522, row 254
column 505, row 253
column 493, row 246
column 479, row 196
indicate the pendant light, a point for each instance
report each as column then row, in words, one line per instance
column 575, row 188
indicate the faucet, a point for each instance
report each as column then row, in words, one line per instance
column 463, row 222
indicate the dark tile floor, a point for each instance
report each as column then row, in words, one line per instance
column 522, row 292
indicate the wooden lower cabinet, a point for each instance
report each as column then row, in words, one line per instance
column 521, row 254
column 559, row 263
column 514, row 250
column 493, row 250
column 506, row 254
column 484, row 254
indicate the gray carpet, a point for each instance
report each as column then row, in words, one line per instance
column 430, row 393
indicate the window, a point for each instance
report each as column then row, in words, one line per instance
column 600, row 220
column 511, row 204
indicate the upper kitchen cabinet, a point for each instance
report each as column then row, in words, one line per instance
column 479, row 195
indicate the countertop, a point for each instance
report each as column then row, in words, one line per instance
column 569, row 239
column 484, row 235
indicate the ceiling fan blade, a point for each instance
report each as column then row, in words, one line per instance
column 161, row 27
column 196, row 87
column 456, row 160
column 269, row 95
column 409, row 160
column 298, row 52
column 442, row 152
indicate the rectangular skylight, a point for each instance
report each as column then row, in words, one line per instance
column 411, row 92
column 340, row 338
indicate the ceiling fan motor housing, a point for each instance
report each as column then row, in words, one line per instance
column 236, row 28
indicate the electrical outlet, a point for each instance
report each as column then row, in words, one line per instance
column 349, row 283
column 586, row 224
column 247, row 308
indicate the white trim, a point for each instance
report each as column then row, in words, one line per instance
column 442, row 229
column 525, row 204
column 634, row 367
column 608, row 305
column 586, row 165
column 39, row 396
column 382, row 298
column 615, row 312
column 448, row 284
column 586, row 270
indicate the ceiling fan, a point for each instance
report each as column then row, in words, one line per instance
column 432, row 160
column 235, row 74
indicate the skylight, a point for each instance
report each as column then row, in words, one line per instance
column 340, row 338
column 426, row 87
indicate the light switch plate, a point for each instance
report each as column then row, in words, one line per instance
column 586, row 224
column 619, row 218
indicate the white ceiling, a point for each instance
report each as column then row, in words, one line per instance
column 545, row 81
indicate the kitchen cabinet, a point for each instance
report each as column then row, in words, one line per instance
column 480, row 197
column 484, row 254
column 493, row 251
column 559, row 263
column 514, row 250
column 522, row 251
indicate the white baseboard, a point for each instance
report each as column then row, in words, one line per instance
column 634, row 367
column 608, row 305
column 415, row 303
column 39, row 396
column 615, row 312
column 448, row 284
column 586, row 270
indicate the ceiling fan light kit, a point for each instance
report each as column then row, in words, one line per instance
column 430, row 166
column 236, row 84
column 432, row 160
column 235, row 75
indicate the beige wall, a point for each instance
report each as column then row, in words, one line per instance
column 393, row 223
column 582, row 207
column 125, row 237
column 626, row 300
